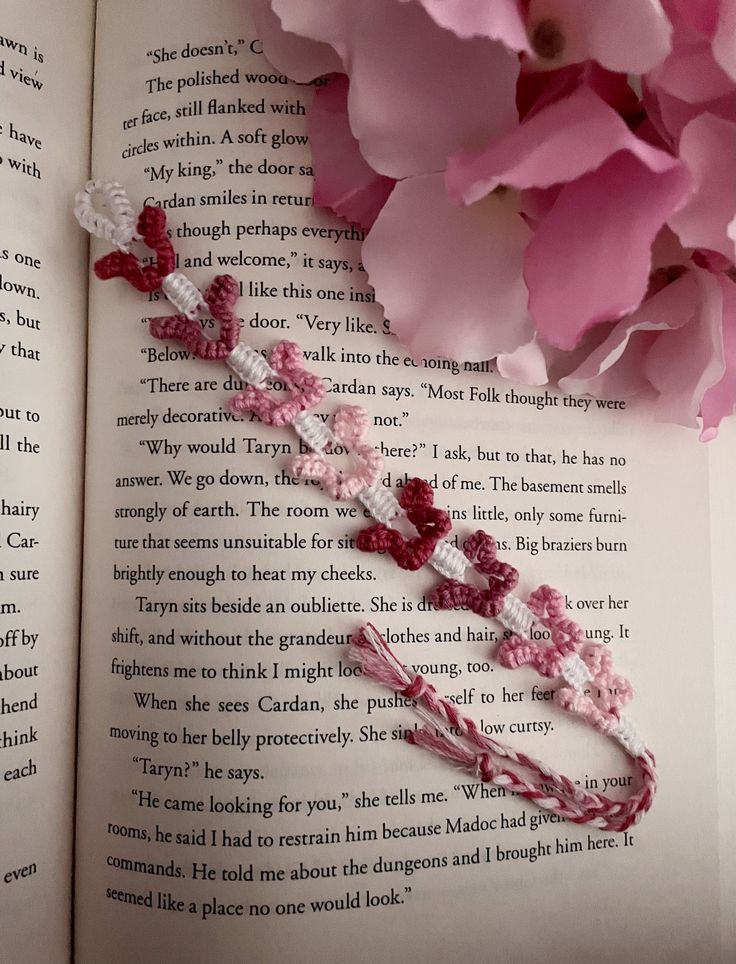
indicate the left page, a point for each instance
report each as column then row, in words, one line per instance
column 45, row 106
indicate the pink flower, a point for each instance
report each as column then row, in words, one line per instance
column 708, row 147
column 548, row 182
column 302, row 59
column 443, row 271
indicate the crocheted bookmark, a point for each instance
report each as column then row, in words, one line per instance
column 589, row 687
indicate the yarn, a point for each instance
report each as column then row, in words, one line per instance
column 589, row 687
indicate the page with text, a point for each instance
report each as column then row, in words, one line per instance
column 45, row 92
column 244, row 794
column 723, row 534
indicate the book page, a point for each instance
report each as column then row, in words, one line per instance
column 244, row 794
column 45, row 90
column 723, row 534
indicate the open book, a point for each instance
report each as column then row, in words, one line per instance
column 223, row 786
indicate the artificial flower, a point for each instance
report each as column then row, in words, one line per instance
column 302, row 59
column 549, row 183
column 699, row 74
column 708, row 147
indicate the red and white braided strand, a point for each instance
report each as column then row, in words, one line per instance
column 473, row 750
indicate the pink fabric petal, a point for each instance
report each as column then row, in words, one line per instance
column 616, row 367
column 708, row 147
column 683, row 365
column 691, row 73
column 625, row 378
column 343, row 180
column 724, row 41
column 417, row 92
column 324, row 21
column 538, row 89
column 589, row 260
column 720, row 399
column 501, row 20
column 700, row 17
column 667, row 251
column 559, row 144
column 671, row 115
column 449, row 277
column 297, row 57
column 629, row 36
column 527, row 365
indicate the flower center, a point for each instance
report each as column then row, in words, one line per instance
column 548, row 40
column 661, row 277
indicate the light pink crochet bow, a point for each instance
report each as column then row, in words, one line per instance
column 350, row 427
column 601, row 701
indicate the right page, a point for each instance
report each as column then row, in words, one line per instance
column 722, row 457
column 243, row 794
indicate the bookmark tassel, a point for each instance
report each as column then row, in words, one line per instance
column 457, row 738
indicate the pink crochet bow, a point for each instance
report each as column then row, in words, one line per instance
column 480, row 549
column 603, row 698
column 220, row 297
column 305, row 389
column 566, row 637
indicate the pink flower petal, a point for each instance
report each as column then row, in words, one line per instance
column 616, row 367
column 449, row 277
column 324, row 21
column 671, row 115
column 629, row 36
column 501, row 20
column 720, row 399
column 724, row 41
column 297, row 57
column 559, row 144
column 683, row 365
column 538, row 89
column 589, row 260
column 708, row 147
column 527, row 365
column 343, row 180
column 690, row 73
column 417, row 92
column 700, row 17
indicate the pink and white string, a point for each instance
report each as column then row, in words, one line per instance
column 588, row 686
